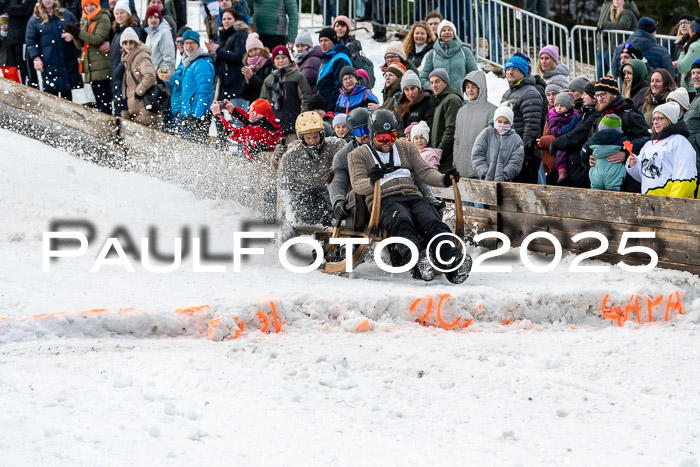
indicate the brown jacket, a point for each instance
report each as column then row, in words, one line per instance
column 361, row 160
column 139, row 76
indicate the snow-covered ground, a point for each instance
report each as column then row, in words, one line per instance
column 119, row 369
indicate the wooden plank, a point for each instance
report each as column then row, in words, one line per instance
column 474, row 191
column 597, row 205
column 57, row 110
column 677, row 247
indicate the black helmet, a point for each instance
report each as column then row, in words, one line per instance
column 358, row 118
column 382, row 121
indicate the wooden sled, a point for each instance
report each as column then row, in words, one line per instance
column 371, row 232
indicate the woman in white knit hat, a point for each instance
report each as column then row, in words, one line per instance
column 666, row 164
column 122, row 19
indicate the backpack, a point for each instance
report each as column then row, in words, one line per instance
column 360, row 61
column 156, row 98
column 368, row 66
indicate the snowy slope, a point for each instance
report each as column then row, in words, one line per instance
column 539, row 377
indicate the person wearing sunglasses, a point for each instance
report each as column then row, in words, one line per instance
column 339, row 185
column 404, row 211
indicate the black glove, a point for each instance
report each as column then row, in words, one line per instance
column 374, row 174
column 339, row 212
column 137, row 97
column 528, row 149
column 446, row 179
column 72, row 29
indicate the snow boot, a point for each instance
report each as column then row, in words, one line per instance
column 424, row 268
column 460, row 274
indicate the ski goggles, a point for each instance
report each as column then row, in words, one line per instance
column 360, row 132
column 386, row 138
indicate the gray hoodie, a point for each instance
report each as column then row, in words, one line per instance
column 160, row 41
column 473, row 117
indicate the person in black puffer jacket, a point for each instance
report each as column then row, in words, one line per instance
column 230, row 50
column 414, row 104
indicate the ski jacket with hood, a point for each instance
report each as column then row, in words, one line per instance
column 472, row 118
column 656, row 54
column 497, row 157
column 162, row 46
column 666, row 165
column 139, row 77
column 453, row 56
column 442, row 133
column 96, row 65
column 639, row 82
column 197, row 88
column 329, row 81
column 309, row 65
column 560, row 75
column 359, row 96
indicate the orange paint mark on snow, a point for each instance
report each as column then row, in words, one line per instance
column 439, row 317
column 265, row 319
column 615, row 313
column 650, row 306
column 673, row 304
column 193, row 309
column 363, row 326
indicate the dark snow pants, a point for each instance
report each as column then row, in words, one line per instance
column 411, row 217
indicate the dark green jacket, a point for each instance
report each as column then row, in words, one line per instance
column 692, row 120
column 270, row 18
column 442, row 134
column 96, row 65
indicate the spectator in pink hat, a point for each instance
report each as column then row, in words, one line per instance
column 549, row 68
column 257, row 64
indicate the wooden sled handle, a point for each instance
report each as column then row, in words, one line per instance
column 459, row 211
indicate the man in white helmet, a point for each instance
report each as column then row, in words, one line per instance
column 302, row 191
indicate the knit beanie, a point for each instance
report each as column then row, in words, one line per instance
column 4, row 18
column 123, row 5
column 696, row 64
column 670, row 110
column 421, row 129
column 260, row 106
column 440, row 73
column 579, row 84
column 695, row 25
column 552, row 51
column 280, row 50
column 680, row 96
column 154, row 11
column 633, row 51
column 343, row 19
column 94, row 2
column 304, row 37
column 566, row 99
column 191, row 35
column 444, row 23
column 686, row 17
column 396, row 48
column 553, row 87
column 253, row 42
column 328, row 33
column 129, row 35
column 590, row 90
column 610, row 122
column 607, row 84
column 410, row 78
column 647, row 24
column 504, row 111
column 364, row 75
column 398, row 69
column 517, row 61
column 340, row 119
column 348, row 70
column 315, row 102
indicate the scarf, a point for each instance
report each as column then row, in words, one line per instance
column 188, row 59
column 257, row 62
column 276, row 92
column 91, row 28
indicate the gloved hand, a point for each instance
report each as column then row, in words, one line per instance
column 446, row 179
column 339, row 212
column 528, row 149
column 374, row 174
column 137, row 97
column 72, row 29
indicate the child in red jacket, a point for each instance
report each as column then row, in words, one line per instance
column 260, row 131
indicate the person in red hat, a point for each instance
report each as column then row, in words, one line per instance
column 160, row 39
column 286, row 88
column 260, row 132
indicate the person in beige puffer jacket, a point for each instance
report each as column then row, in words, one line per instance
column 139, row 77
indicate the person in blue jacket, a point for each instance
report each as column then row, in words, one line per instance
column 353, row 94
column 194, row 90
column 51, row 54
column 335, row 57
column 644, row 38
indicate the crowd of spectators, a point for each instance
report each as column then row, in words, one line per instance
column 635, row 127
